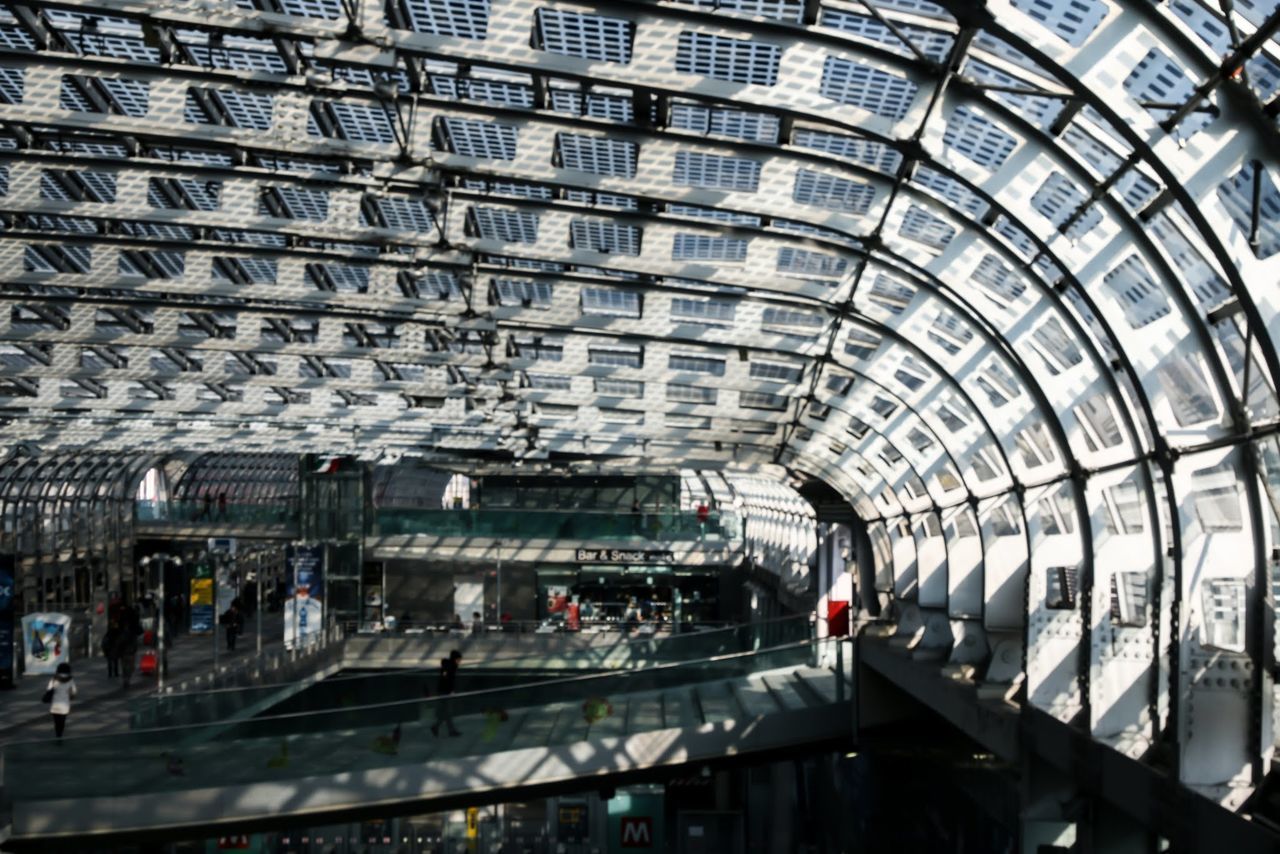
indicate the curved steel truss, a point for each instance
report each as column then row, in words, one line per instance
column 1003, row 274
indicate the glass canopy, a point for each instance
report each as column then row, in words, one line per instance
column 922, row 250
column 1003, row 274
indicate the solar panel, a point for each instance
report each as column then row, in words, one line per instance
column 858, row 85
column 505, row 225
column 699, row 247
column 714, row 172
column 470, row 138
column 594, row 37
column 600, row 235
column 830, row 191
column 467, row 19
column 598, row 155
column 732, row 60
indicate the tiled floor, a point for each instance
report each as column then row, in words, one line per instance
column 102, row 704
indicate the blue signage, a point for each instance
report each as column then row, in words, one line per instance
column 201, row 605
column 304, row 610
column 306, row 571
column 201, row 619
column 7, row 587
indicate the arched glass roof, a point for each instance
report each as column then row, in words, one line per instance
column 1003, row 274
column 925, row 250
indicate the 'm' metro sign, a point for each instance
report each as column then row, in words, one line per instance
column 637, row 831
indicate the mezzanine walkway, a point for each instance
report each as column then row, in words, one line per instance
column 270, row 770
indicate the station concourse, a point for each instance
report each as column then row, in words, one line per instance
column 818, row 425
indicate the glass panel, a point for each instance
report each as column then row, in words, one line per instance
column 1063, row 586
column 352, row 739
column 625, row 652
column 549, row 524
column 1129, row 599
column 1223, row 626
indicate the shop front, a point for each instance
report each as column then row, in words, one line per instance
column 603, row 595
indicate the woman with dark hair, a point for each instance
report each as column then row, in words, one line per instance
column 59, row 694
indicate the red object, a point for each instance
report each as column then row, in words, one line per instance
column 148, row 638
column 148, row 664
column 837, row 618
column 572, row 617
column 704, row 513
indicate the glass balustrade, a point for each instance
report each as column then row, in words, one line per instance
column 197, row 512
column 553, row 525
column 363, row 737
column 528, row 653
column 496, row 523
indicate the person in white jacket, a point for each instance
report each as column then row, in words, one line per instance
column 63, row 689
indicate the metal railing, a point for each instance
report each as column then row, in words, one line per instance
column 608, row 625
column 576, row 525
column 340, row 740
column 629, row 653
column 201, row 512
column 261, row 672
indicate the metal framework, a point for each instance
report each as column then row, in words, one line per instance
column 1002, row 274
column 69, row 519
column 240, row 478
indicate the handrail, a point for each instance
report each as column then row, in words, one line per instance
column 353, row 710
column 671, row 524
column 429, row 670
column 664, row 510
column 401, row 628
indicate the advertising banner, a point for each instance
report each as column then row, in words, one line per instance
column 306, row 571
column 224, row 591
column 7, row 587
column 571, row 822
column 302, row 618
column 44, row 640
column 304, row 611
column 201, row 605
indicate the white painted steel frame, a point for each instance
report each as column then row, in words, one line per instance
column 931, row 385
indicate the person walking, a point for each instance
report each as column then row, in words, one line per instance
column 127, row 643
column 447, row 682
column 111, row 640
column 477, row 623
column 59, row 693
column 234, row 621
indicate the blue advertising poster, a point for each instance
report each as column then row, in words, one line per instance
column 306, row 571
column 303, row 620
column 7, row 585
column 304, row 610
